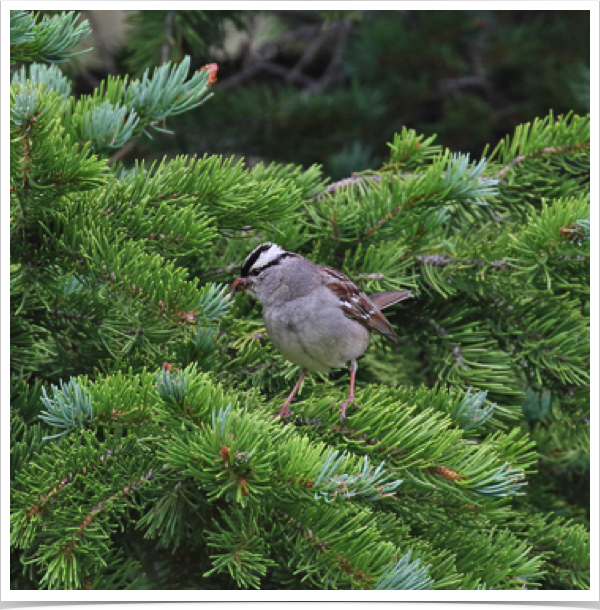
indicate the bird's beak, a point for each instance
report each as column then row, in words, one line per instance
column 240, row 284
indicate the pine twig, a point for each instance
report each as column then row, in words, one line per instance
column 549, row 150
column 352, row 180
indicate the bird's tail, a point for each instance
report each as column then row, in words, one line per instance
column 385, row 299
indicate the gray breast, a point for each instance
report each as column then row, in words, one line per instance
column 312, row 331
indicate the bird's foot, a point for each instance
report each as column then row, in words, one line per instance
column 285, row 411
column 349, row 401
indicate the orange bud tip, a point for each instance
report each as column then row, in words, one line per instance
column 212, row 73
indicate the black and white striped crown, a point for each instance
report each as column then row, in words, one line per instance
column 266, row 255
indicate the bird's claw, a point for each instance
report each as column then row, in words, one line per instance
column 344, row 405
column 285, row 411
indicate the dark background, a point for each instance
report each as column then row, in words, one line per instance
column 332, row 87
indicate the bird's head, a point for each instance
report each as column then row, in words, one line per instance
column 256, row 268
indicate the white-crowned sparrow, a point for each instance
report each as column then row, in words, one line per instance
column 315, row 315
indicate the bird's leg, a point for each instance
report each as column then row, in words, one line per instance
column 350, row 399
column 285, row 410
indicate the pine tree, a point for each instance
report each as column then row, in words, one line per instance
column 144, row 451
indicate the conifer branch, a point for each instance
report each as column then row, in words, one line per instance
column 50, row 76
column 44, row 498
column 51, row 39
column 70, row 315
column 108, row 280
column 363, row 578
column 70, row 408
column 351, row 181
column 103, row 505
column 444, row 260
column 548, row 150
column 405, row 575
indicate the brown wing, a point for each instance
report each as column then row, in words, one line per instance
column 385, row 299
column 356, row 304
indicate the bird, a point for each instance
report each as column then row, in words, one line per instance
column 317, row 318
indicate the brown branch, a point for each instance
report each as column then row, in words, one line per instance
column 308, row 55
column 240, row 77
column 251, row 66
column 28, row 126
column 352, row 180
column 549, row 150
column 258, row 65
column 443, row 260
column 128, row 489
column 257, row 60
column 357, row 178
column 330, row 73
column 278, row 70
column 392, row 215
column 44, row 498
